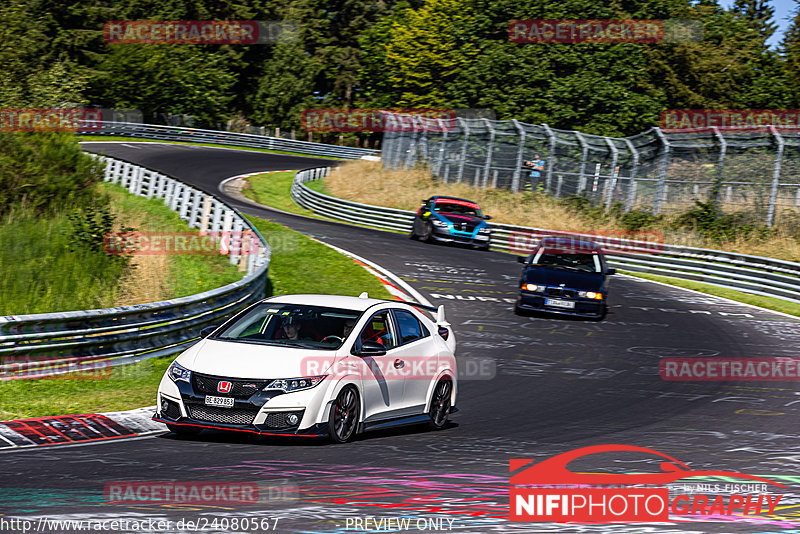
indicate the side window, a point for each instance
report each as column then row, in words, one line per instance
column 379, row 329
column 410, row 329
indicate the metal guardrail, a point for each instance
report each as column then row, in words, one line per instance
column 750, row 274
column 84, row 341
column 197, row 135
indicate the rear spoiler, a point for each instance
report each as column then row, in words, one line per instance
column 440, row 318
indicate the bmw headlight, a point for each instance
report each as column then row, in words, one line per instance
column 288, row 385
column 437, row 222
column 177, row 373
column 534, row 287
column 590, row 295
column 484, row 230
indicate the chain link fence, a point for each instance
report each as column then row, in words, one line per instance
column 757, row 172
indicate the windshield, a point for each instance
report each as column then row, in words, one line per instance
column 459, row 207
column 589, row 263
column 292, row 325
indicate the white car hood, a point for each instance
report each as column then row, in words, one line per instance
column 246, row 360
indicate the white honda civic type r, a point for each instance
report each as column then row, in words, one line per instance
column 315, row 366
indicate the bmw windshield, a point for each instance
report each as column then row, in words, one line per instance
column 292, row 325
column 461, row 208
column 587, row 263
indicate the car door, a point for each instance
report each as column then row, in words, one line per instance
column 381, row 383
column 416, row 356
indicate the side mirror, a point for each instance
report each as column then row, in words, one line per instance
column 487, row 217
column 611, row 271
column 371, row 348
column 205, row 332
column 522, row 259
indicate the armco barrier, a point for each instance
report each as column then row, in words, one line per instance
column 750, row 274
column 196, row 135
column 66, row 341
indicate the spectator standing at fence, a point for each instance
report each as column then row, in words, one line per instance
column 534, row 181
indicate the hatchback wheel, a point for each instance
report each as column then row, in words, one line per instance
column 440, row 404
column 427, row 232
column 343, row 420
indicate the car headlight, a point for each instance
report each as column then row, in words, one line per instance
column 178, row 373
column 484, row 230
column 533, row 287
column 288, row 385
column 437, row 222
column 590, row 295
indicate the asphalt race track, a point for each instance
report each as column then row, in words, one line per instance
column 542, row 387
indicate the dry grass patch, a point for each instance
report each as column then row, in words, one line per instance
column 368, row 182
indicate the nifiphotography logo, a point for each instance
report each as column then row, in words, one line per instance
column 547, row 491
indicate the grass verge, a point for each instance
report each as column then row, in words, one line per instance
column 89, row 138
column 405, row 189
column 299, row 265
column 273, row 189
column 756, row 300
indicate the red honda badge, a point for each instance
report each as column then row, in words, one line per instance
column 224, row 387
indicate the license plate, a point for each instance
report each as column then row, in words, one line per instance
column 559, row 303
column 221, row 402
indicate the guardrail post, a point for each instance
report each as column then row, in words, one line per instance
column 661, row 190
column 194, row 214
column 634, row 168
column 204, row 216
column 227, row 226
column 489, row 151
column 776, row 176
column 183, row 209
column 551, row 156
column 613, row 182
column 465, row 128
column 584, row 158
column 717, row 185
column 515, row 178
column 177, row 193
column 216, row 220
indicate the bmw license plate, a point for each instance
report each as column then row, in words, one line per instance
column 220, row 402
column 559, row 303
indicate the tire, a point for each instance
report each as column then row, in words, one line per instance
column 439, row 411
column 427, row 232
column 519, row 311
column 182, row 430
column 413, row 234
column 602, row 315
column 343, row 420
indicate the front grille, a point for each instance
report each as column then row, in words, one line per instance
column 559, row 292
column 278, row 419
column 240, row 388
column 213, row 414
column 173, row 411
column 465, row 226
